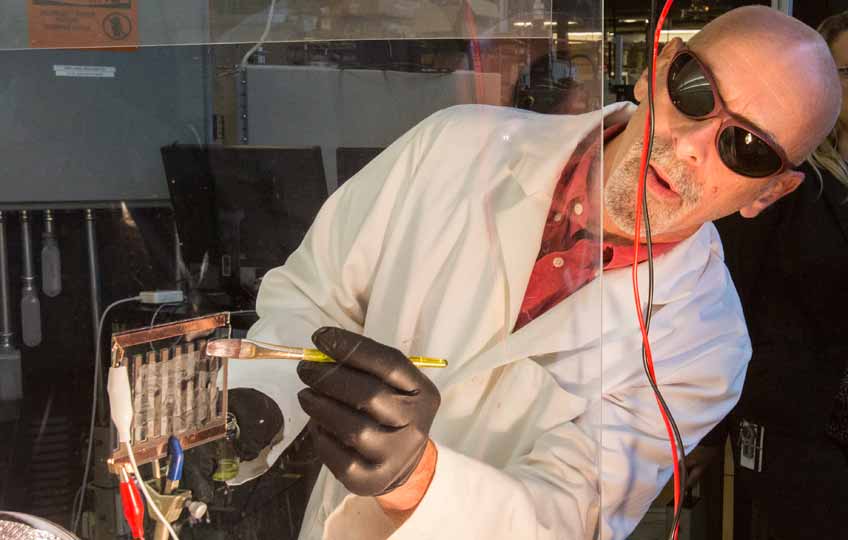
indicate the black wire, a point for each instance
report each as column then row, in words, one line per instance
column 156, row 314
column 160, row 308
column 650, row 306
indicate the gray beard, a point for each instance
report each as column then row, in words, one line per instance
column 620, row 190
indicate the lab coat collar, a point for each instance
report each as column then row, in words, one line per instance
column 548, row 141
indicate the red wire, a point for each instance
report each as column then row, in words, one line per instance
column 637, row 230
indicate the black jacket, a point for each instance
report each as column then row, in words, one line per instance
column 790, row 266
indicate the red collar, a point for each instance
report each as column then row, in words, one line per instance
column 568, row 256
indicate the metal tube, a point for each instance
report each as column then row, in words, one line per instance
column 30, row 304
column 93, row 268
column 94, row 282
column 5, row 293
column 26, row 235
column 48, row 222
column 51, row 260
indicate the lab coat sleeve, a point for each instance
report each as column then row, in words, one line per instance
column 327, row 280
column 548, row 494
column 594, row 477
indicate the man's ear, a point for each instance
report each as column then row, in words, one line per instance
column 640, row 90
column 783, row 185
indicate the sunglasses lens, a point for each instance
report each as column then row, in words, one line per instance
column 746, row 154
column 689, row 88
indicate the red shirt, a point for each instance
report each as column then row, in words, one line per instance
column 568, row 256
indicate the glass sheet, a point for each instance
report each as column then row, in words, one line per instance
column 402, row 163
column 425, row 173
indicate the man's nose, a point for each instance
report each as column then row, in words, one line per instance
column 694, row 140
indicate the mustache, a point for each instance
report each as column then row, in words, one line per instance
column 662, row 154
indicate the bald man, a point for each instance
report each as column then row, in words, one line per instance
column 543, row 426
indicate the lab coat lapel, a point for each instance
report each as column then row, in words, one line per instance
column 520, row 217
column 575, row 324
column 519, row 229
column 603, row 309
column 545, row 146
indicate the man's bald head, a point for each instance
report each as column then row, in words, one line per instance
column 791, row 60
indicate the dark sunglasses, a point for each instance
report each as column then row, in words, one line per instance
column 742, row 147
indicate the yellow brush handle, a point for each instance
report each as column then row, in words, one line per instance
column 314, row 355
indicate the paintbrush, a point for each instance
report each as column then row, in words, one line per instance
column 251, row 349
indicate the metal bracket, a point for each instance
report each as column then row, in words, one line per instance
column 241, row 106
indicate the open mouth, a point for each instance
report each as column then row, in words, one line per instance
column 662, row 182
column 659, row 185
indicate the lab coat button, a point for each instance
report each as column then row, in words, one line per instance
column 558, row 262
column 578, row 208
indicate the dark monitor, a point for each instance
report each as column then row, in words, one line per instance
column 350, row 161
column 242, row 210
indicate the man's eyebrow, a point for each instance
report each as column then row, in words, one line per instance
column 761, row 129
column 741, row 117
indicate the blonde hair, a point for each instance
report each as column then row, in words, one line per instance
column 827, row 155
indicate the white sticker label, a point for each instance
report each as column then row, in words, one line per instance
column 85, row 71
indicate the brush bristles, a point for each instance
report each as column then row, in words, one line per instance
column 229, row 348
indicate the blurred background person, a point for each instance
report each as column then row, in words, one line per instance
column 789, row 432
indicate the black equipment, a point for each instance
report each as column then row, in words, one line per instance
column 241, row 210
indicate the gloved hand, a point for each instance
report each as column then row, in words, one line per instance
column 370, row 412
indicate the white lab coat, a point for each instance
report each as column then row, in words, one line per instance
column 551, row 432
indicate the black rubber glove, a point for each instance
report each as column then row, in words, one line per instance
column 259, row 419
column 370, row 412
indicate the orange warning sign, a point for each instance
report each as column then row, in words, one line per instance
column 83, row 23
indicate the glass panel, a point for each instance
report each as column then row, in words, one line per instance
column 759, row 441
column 416, row 172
